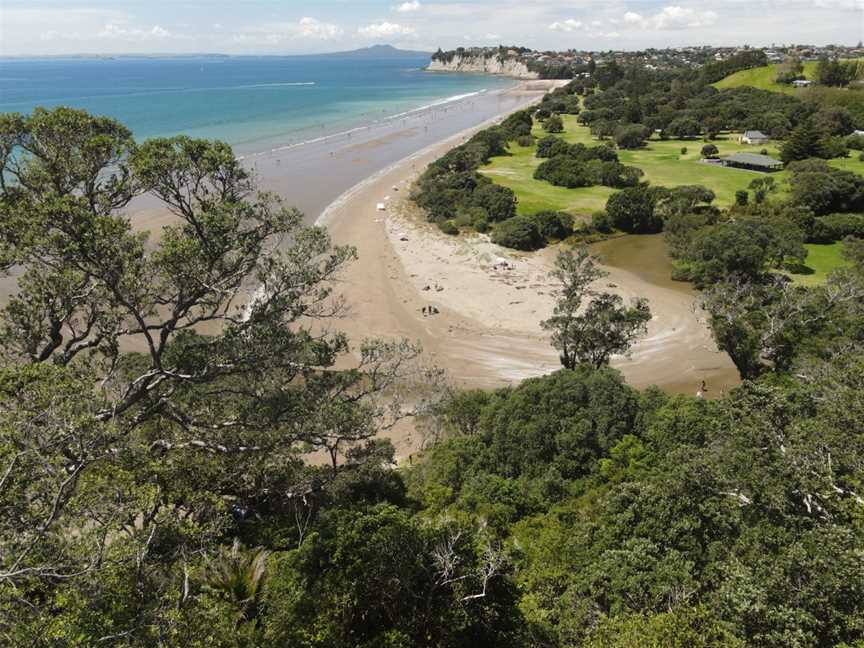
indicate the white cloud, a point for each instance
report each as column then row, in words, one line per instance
column 113, row 31
column 312, row 28
column 568, row 25
column 279, row 33
column 672, row 17
column 385, row 29
column 849, row 5
column 408, row 7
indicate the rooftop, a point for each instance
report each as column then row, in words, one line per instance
column 753, row 160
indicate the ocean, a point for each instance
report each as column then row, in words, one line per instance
column 254, row 103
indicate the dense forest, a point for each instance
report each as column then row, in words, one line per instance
column 156, row 487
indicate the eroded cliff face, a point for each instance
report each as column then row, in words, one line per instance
column 493, row 65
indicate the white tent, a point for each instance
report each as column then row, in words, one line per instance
column 381, row 207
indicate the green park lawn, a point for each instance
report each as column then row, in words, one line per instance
column 516, row 171
column 763, row 78
column 662, row 162
column 821, row 260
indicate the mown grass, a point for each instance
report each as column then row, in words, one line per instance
column 763, row 78
column 662, row 162
column 820, row 262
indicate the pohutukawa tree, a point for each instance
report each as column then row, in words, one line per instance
column 589, row 326
column 149, row 382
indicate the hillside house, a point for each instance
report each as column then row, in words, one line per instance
column 754, row 137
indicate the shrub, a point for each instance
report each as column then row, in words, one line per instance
column 518, row 124
column 683, row 150
column 742, row 197
column 448, row 227
column 498, row 202
column 525, row 141
column 564, row 171
column 553, row 225
column 550, row 146
column 855, row 142
column 466, row 216
column 519, row 233
column 601, row 222
column 836, row 227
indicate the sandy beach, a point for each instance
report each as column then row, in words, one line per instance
column 487, row 330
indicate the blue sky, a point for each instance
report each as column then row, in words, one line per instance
column 290, row 26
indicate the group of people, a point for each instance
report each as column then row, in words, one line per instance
column 429, row 310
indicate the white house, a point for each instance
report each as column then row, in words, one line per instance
column 754, row 137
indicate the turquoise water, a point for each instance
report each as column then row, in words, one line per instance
column 253, row 103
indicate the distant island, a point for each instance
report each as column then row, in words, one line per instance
column 377, row 51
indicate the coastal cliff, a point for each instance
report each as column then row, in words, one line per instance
column 484, row 64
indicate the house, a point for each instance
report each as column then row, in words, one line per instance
column 754, row 137
column 802, row 83
column 752, row 162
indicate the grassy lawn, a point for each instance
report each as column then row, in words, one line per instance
column 516, row 172
column 661, row 161
column 821, row 260
column 763, row 78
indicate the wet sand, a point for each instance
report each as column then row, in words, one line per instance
column 311, row 175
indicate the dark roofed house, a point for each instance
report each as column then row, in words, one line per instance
column 752, row 161
column 754, row 137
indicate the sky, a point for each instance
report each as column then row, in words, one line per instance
column 50, row 27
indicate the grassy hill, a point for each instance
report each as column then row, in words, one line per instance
column 763, row 78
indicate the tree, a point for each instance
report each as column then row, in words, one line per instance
column 743, row 248
column 519, row 233
column 805, row 141
column 105, row 450
column 771, row 324
column 553, row 225
column 592, row 332
column 710, row 151
column 554, row 124
column 631, row 136
column 550, row 146
column 239, row 576
column 633, row 210
column 564, row 171
column 498, row 202
column 683, row 128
